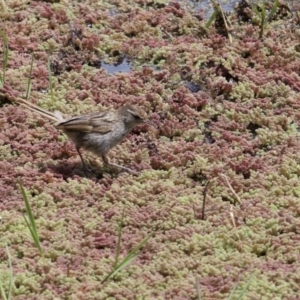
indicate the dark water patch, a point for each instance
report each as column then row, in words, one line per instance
column 122, row 65
column 228, row 5
column 112, row 12
column 206, row 6
column 193, row 87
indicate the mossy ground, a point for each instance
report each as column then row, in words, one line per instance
column 220, row 108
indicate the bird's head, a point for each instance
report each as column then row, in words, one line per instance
column 134, row 115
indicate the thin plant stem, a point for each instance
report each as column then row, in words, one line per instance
column 50, row 81
column 198, row 287
column 31, row 223
column 225, row 22
column 232, row 190
column 242, row 293
column 204, row 200
column 128, row 259
column 232, row 216
column 11, row 279
column 262, row 14
column 28, row 90
column 118, row 250
column 5, row 57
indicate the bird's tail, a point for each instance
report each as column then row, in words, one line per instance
column 55, row 116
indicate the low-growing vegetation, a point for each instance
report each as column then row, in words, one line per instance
column 213, row 211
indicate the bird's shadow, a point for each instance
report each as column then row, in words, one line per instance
column 68, row 169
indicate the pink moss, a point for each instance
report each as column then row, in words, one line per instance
column 240, row 121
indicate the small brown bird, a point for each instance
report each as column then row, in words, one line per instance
column 96, row 132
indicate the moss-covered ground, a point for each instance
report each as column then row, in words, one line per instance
column 227, row 117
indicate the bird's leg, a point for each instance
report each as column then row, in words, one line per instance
column 86, row 169
column 107, row 162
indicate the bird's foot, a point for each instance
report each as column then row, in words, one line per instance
column 123, row 168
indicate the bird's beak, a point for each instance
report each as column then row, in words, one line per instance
column 148, row 122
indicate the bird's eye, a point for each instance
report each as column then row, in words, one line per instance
column 136, row 116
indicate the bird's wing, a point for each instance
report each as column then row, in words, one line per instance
column 101, row 122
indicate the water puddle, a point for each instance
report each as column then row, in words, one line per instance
column 122, row 65
column 206, row 6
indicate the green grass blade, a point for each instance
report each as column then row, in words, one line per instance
column 11, row 277
column 242, row 293
column 5, row 56
column 31, row 223
column 263, row 14
column 273, row 10
column 28, row 207
column 28, row 90
column 3, row 295
column 32, row 232
column 128, row 259
column 255, row 10
column 198, row 287
column 211, row 19
column 233, row 290
column 139, row 246
column 119, row 240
